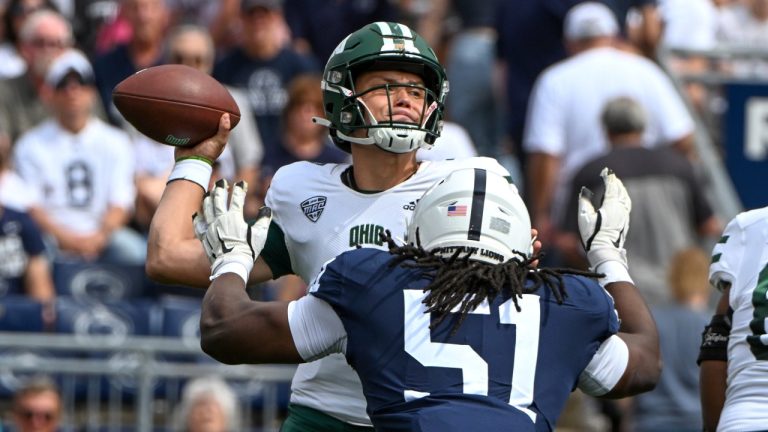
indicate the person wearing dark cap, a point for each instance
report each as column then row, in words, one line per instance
column 263, row 65
column 82, row 170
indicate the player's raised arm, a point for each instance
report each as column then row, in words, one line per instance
column 174, row 255
column 603, row 233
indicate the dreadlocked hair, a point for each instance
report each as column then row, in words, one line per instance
column 461, row 282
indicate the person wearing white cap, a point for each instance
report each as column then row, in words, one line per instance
column 563, row 129
column 82, row 170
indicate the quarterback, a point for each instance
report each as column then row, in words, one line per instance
column 383, row 92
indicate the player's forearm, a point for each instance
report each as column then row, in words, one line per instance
column 223, row 300
column 638, row 330
column 174, row 255
column 712, row 377
column 235, row 330
column 713, row 355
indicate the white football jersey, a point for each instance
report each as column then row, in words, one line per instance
column 77, row 177
column 320, row 218
column 741, row 258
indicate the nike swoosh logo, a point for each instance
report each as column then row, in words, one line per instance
column 224, row 247
column 617, row 243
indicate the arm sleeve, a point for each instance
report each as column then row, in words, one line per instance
column 727, row 254
column 606, row 367
column 275, row 252
column 316, row 329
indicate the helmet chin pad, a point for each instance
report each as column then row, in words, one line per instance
column 394, row 137
column 397, row 140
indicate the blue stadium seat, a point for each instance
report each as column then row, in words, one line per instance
column 20, row 313
column 104, row 283
column 10, row 381
column 181, row 321
column 181, row 318
column 106, row 323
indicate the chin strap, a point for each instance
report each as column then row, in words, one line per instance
column 325, row 122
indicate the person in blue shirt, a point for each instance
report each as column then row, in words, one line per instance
column 455, row 330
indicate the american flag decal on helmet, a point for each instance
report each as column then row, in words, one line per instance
column 313, row 207
column 457, row 210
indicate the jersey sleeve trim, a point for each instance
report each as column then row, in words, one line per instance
column 275, row 252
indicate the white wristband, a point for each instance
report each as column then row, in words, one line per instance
column 194, row 170
column 236, row 267
column 614, row 272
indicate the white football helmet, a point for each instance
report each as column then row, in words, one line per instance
column 475, row 210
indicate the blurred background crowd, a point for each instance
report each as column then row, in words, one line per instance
column 669, row 93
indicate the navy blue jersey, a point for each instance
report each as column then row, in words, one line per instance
column 266, row 84
column 20, row 239
column 501, row 370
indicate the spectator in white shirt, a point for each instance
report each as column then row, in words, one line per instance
column 82, row 170
column 563, row 128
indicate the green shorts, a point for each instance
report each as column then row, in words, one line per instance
column 305, row 419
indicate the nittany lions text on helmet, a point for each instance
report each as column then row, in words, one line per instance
column 490, row 219
column 382, row 46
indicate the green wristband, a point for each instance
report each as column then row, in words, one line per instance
column 195, row 157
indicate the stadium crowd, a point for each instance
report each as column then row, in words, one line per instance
column 550, row 91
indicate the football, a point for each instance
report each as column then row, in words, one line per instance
column 174, row 104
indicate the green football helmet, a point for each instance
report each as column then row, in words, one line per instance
column 382, row 46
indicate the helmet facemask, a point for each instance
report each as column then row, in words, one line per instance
column 393, row 135
column 382, row 47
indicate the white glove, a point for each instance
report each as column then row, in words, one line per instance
column 231, row 244
column 603, row 232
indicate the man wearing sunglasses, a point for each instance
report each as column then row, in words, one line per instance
column 37, row 406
